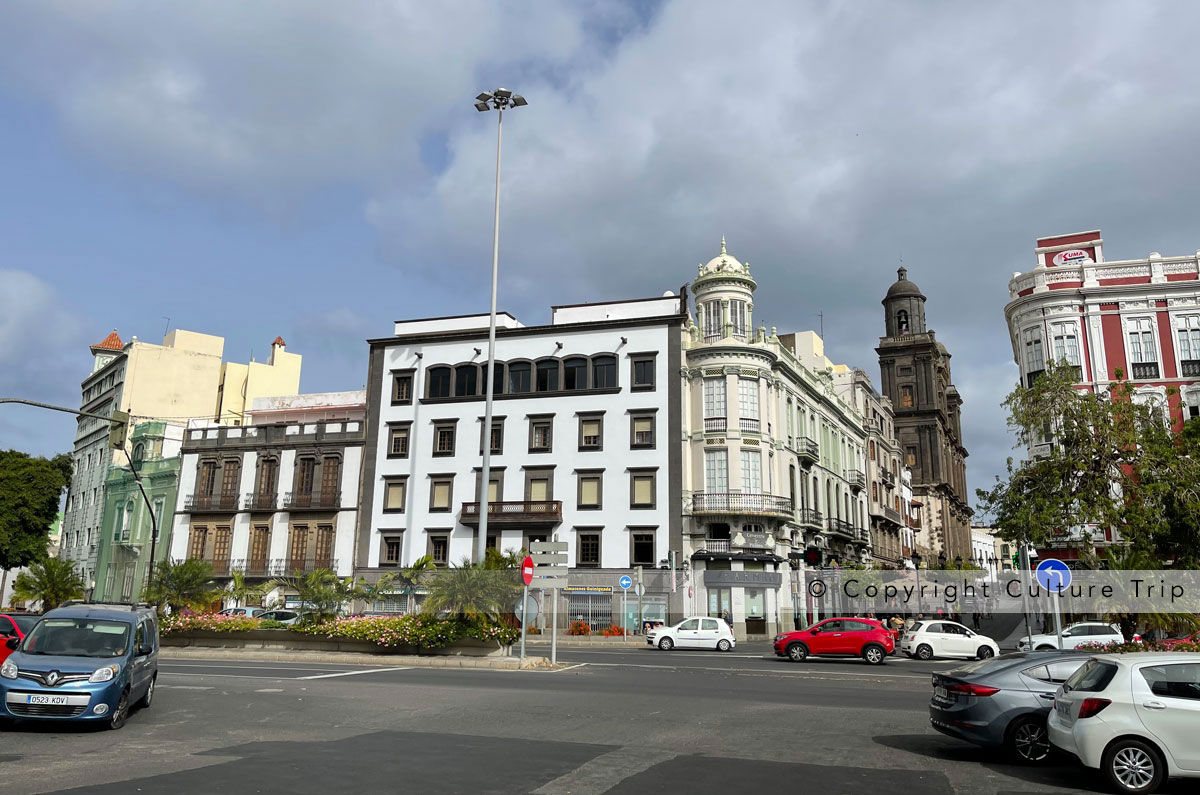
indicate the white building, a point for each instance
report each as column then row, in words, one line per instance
column 584, row 444
column 773, row 462
column 278, row 495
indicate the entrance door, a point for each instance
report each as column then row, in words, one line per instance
column 720, row 604
column 688, row 634
column 324, row 547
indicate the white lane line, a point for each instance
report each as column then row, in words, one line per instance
column 569, row 667
column 599, row 775
column 186, row 687
column 764, row 671
column 249, row 667
column 353, row 673
column 269, row 690
column 228, row 676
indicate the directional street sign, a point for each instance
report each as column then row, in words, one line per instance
column 626, row 582
column 549, row 559
column 1053, row 574
column 548, row 546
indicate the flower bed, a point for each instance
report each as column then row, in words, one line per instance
column 177, row 623
column 1150, row 645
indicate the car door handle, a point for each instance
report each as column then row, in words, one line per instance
column 1047, row 696
column 1154, row 705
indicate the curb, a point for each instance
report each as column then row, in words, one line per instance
column 349, row 658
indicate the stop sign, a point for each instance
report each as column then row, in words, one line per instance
column 527, row 570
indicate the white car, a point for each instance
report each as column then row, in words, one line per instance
column 248, row 612
column 928, row 639
column 1132, row 716
column 696, row 632
column 1074, row 636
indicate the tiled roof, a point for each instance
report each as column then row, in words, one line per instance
column 111, row 343
column 279, row 341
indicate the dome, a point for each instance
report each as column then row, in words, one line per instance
column 903, row 287
column 724, row 263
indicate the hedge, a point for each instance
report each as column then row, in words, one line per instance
column 1121, row 647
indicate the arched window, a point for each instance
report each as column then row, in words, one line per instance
column 792, row 485
column 902, row 320
column 498, row 389
column 139, row 452
column 128, row 518
column 575, row 373
column 871, row 447
column 604, row 372
column 466, row 380
column 519, row 375
column 547, row 375
column 439, row 382
column 874, row 492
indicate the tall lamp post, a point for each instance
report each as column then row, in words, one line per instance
column 499, row 100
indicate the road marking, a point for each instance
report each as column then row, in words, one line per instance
column 569, row 667
column 353, row 673
column 227, row 676
column 269, row 690
column 185, row 687
column 249, row 667
column 765, row 671
column 601, row 774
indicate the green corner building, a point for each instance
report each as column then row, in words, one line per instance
column 123, row 553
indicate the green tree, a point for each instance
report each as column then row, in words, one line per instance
column 242, row 591
column 183, row 584
column 322, row 593
column 51, row 582
column 30, row 490
column 472, row 591
column 1130, row 615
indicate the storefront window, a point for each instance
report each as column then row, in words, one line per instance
column 755, row 603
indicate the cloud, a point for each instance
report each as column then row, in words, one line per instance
column 826, row 141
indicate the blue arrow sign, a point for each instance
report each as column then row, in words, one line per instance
column 1053, row 575
column 625, row 582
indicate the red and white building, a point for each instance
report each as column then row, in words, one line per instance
column 1139, row 318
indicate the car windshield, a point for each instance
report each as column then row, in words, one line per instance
column 78, row 637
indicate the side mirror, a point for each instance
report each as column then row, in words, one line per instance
column 145, row 649
column 12, row 643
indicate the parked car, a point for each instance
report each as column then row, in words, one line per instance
column 928, row 639
column 1171, row 643
column 248, row 612
column 288, row 617
column 1075, row 636
column 14, row 625
column 83, row 662
column 695, row 632
column 840, row 637
column 1132, row 716
column 1002, row 702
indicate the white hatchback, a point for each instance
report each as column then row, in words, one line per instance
column 696, row 632
column 928, row 639
column 1132, row 716
column 1074, row 636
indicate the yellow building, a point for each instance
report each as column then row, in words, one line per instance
column 242, row 383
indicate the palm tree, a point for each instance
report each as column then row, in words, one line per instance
column 412, row 576
column 182, row 584
column 242, row 592
column 471, row 591
column 51, row 582
column 1129, row 616
column 322, row 593
column 373, row 592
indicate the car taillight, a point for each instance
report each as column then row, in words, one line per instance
column 1092, row 706
column 968, row 689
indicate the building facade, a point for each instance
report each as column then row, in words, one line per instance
column 1134, row 319
column 773, row 460
column 127, row 538
column 276, row 496
column 915, row 371
column 178, row 379
column 583, row 446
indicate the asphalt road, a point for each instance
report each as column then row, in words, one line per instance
column 611, row 722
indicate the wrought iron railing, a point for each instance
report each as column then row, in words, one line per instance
column 807, row 448
column 858, row 480
column 210, row 502
column 517, row 511
column 317, row 500
column 840, row 526
column 741, row 503
column 809, row 516
column 259, row 502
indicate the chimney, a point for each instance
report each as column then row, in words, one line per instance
column 277, row 345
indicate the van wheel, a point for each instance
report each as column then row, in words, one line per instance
column 925, row 652
column 723, row 645
column 797, row 652
column 874, row 655
column 1028, row 741
column 666, row 644
column 1133, row 766
column 146, row 699
column 121, row 713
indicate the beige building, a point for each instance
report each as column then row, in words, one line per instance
column 179, row 379
column 241, row 384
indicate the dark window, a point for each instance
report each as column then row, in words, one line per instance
column 305, row 470
column 439, row 550
column 643, row 373
column 604, row 372
column 207, row 481
column 466, row 380
column 518, row 377
column 547, row 376
column 398, row 442
column 643, row 549
column 540, row 435
column 1093, row 677
column 439, row 382
column 575, row 374
column 499, row 388
column 391, row 551
column 443, row 439
column 902, row 321
column 1174, row 681
column 589, row 550
column 402, row 388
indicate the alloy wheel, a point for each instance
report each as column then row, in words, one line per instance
column 874, row 655
column 797, row 653
column 1134, row 768
column 1031, row 742
column 925, row 652
column 120, row 713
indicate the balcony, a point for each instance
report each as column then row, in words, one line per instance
column 716, row 545
column 1190, row 368
column 809, row 517
column 1032, row 376
column 912, row 522
column 840, row 527
column 1142, row 371
column 214, row 503
column 741, row 504
column 889, row 479
column 259, row 502
column 893, row 516
column 527, row 512
column 808, row 450
column 253, row 567
column 321, row 501
column 714, row 424
column 858, row 480
column 749, row 425
column 286, row 567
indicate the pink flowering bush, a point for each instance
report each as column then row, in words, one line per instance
column 419, row 630
column 187, row 621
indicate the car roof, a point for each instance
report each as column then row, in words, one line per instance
column 1133, row 658
column 95, row 611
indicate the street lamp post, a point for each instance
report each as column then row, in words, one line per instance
column 499, row 100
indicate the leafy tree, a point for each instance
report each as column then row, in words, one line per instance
column 242, row 592
column 410, row 577
column 322, row 593
column 1130, row 616
column 51, row 582
column 472, row 591
column 184, row 584
column 30, row 489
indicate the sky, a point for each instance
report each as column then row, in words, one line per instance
column 317, row 170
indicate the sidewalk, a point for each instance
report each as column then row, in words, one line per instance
column 169, row 653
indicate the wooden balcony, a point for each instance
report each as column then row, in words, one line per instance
column 259, row 502
column 525, row 512
column 741, row 504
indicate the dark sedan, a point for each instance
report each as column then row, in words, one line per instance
column 1003, row 701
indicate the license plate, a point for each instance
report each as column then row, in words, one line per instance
column 942, row 694
column 54, row 700
column 1062, row 709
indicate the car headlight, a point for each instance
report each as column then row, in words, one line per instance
column 104, row 674
column 8, row 670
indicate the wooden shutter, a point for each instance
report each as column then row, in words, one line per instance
column 539, row 489
column 643, row 490
column 589, row 491
column 441, row 494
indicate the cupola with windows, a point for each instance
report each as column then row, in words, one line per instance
column 724, row 293
column 904, row 307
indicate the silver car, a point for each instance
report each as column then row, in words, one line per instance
column 1003, row 702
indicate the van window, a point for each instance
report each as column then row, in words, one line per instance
column 139, row 636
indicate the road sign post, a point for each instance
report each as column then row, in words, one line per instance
column 1054, row 576
column 640, row 590
column 626, row 582
column 526, row 578
column 549, row 561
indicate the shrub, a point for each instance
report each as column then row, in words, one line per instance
column 176, row 623
column 613, row 631
column 1150, row 645
column 579, row 628
column 418, row 630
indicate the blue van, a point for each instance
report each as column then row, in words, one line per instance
column 85, row 662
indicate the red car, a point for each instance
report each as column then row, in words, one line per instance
column 14, row 625
column 839, row 637
column 1171, row 643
